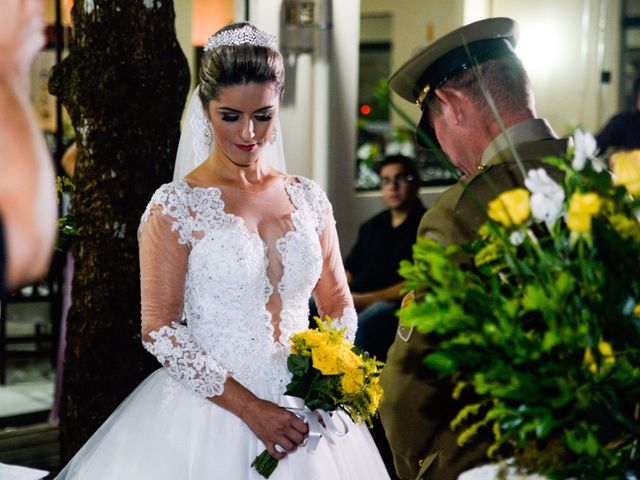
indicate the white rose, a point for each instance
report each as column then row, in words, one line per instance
column 585, row 149
column 547, row 197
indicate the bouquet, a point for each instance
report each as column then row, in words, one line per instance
column 329, row 373
column 542, row 323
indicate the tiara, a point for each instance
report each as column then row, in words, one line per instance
column 241, row 36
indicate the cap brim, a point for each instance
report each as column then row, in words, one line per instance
column 403, row 80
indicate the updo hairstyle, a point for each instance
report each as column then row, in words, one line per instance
column 230, row 65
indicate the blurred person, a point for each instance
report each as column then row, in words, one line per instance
column 373, row 262
column 622, row 131
column 28, row 208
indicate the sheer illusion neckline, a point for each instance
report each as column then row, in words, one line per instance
column 287, row 184
column 285, row 181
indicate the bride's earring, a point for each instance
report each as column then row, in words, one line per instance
column 274, row 136
column 208, row 133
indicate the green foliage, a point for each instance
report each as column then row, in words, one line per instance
column 67, row 226
column 544, row 330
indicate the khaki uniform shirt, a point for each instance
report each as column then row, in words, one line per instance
column 417, row 407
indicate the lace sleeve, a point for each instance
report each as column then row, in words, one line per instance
column 173, row 347
column 332, row 294
column 164, row 241
column 348, row 320
column 317, row 200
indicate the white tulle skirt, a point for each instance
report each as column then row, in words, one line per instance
column 163, row 431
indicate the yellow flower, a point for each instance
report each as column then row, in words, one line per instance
column 325, row 359
column 607, row 352
column 313, row 338
column 374, row 392
column 628, row 228
column 511, row 207
column 607, row 355
column 353, row 382
column 488, row 254
column 590, row 361
column 626, row 170
column 304, row 342
column 636, row 311
column 582, row 207
column 347, row 360
column 484, row 232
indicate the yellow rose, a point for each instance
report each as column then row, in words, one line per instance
column 314, row 338
column 303, row 342
column 511, row 207
column 353, row 382
column 325, row 359
column 626, row 170
column 582, row 207
column 579, row 222
column 347, row 360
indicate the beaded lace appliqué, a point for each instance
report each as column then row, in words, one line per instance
column 185, row 361
column 226, row 289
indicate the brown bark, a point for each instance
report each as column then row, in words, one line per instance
column 124, row 84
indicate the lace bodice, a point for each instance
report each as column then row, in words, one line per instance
column 223, row 292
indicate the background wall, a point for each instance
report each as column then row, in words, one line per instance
column 565, row 47
column 184, row 20
column 295, row 115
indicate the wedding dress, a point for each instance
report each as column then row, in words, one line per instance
column 243, row 265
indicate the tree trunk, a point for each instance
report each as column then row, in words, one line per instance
column 124, row 84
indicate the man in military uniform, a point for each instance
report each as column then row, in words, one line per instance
column 477, row 103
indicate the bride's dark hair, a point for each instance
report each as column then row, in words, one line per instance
column 229, row 65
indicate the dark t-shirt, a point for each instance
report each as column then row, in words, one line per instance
column 622, row 132
column 375, row 258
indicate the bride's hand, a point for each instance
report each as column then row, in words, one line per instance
column 272, row 424
column 275, row 426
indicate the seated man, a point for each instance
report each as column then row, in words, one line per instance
column 372, row 265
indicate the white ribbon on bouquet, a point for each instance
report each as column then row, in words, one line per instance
column 317, row 430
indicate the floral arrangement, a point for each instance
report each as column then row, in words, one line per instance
column 540, row 318
column 329, row 373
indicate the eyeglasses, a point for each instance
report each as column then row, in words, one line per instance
column 401, row 179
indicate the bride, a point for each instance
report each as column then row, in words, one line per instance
column 230, row 253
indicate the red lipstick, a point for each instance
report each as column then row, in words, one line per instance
column 246, row 148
